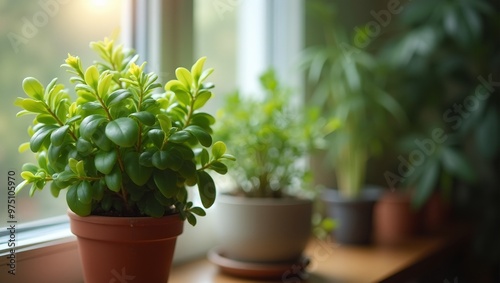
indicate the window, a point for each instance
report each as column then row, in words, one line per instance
column 36, row 38
column 240, row 38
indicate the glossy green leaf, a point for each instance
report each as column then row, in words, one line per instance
column 84, row 192
column 92, row 76
column 104, row 84
column 84, row 147
column 175, row 85
column 105, row 160
column 31, row 105
column 206, row 187
column 123, row 131
column 198, row 211
column 80, row 169
column 180, row 137
column 202, row 99
column 201, row 135
column 191, row 219
column 146, row 158
column 114, row 179
column 117, row 96
column 157, row 136
column 183, row 97
column 54, row 189
column 205, row 75
column 92, row 105
column 89, row 125
column 204, row 157
column 188, row 171
column 166, row 181
column 167, row 159
column 75, row 204
column 146, row 118
column 40, row 137
column 153, row 208
column 165, row 122
column 218, row 149
column 138, row 174
column 197, row 68
column 101, row 140
column 184, row 76
column 33, row 88
column 46, row 119
column 58, row 135
column 218, row 167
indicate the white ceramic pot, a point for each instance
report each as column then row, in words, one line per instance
column 263, row 230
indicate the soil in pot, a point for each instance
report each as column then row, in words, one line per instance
column 394, row 219
column 123, row 249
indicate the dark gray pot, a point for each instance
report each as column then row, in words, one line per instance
column 354, row 217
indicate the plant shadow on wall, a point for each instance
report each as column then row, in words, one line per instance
column 127, row 153
column 267, row 216
column 349, row 84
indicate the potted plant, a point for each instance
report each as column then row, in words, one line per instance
column 126, row 153
column 267, row 217
column 348, row 83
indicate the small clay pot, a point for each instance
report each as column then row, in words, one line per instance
column 394, row 219
column 118, row 249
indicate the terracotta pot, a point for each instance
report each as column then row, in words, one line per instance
column 435, row 213
column 354, row 217
column 263, row 230
column 126, row 249
column 394, row 218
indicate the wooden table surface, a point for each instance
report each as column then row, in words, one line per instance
column 332, row 263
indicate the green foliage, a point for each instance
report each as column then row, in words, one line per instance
column 123, row 147
column 349, row 84
column 270, row 138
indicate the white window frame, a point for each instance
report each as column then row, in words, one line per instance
column 48, row 252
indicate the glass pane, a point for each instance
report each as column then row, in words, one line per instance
column 36, row 37
column 215, row 36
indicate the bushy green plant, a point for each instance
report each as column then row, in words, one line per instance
column 270, row 137
column 122, row 147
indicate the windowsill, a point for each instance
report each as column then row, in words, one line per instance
column 51, row 249
column 331, row 262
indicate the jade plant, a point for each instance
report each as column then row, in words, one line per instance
column 123, row 147
column 270, row 136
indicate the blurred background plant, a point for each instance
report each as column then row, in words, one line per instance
column 441, row 61
column 348, row 84
column 445, row 59
column 271, row 135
